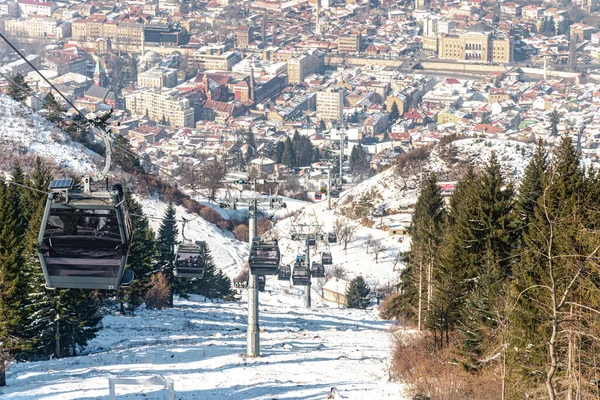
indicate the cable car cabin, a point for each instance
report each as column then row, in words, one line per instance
column 264, row 257
column 317, row 270
column 190, row 261
column 318, row 196
column 326, row 258
column 335, row 194
column 85, row 237
column 332, row 237
column 301, row 274
column 311, row 241
column 285, row 273
column 261, row 281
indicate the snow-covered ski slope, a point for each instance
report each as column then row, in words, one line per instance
column 228, row 253
column 24, row 128
column 199, row 344
column 355, row 259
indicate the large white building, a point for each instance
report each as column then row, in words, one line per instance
column 34, row 7
column 330, row 105
column 260, row 67
column 158, row 77
column 161, row 105
column 37, row 26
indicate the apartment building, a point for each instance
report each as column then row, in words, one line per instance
column 158, row 77
column 98, row 26
column 244, row 35
column 349, row 43
column 298, row 68
column 37, row 26
column 330, row 105
column 478, row 44
column 161, row 105
column 9, row 9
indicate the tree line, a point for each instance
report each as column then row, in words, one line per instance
column 39, row 323
column 508, row 278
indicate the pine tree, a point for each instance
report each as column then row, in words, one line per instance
column 359, row 161
column 12, row 283
column 554, row 121
column 357, row 292
column 214, row 284
column 53, row 107
column 124, row 156
column 251, row 145
column 18, row 89
column 490, row 246
column 141, row 255
column 532, row 186
column 279, row 152
column 289, row 154
column 426, row 228
column 167, row 238
column 550, row 277
column 394, row 113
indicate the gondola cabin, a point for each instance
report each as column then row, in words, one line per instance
column 335, row 194
column 318, row 196
column 301, row 274
column 190, row 261
column 285, row 273
column 264, row 257
column 317, row 270
column 332, row 237
column 310, row 241
column 326, row 258
column 261, row 282
column 85, row 237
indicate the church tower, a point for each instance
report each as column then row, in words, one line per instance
column 99, row 74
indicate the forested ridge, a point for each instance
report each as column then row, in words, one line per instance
column 505, row 281
column 39, row 323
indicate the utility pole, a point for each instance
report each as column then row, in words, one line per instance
column 253, row 333
column 329, row 185
column 307, row 287
column 342, row 156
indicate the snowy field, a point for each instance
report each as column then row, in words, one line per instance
column 200, row 345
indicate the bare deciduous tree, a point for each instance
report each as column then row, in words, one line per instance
column 369, row 241
column 211, row 176
column 378, row 247
column 345, row 232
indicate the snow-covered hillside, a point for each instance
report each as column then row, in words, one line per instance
column 199, row 345
column 398, row 189
column 23, row 129
column 228, row 253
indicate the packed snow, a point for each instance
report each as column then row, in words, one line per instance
column 200, row 345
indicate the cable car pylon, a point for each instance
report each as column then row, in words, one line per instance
column 267, row 261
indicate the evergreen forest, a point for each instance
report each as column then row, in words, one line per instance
column 505, row 282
